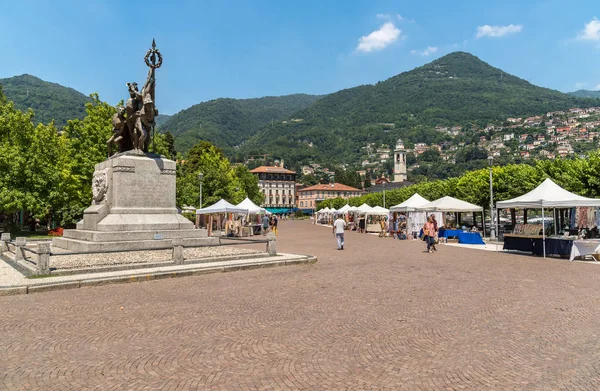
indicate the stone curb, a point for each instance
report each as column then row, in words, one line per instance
column 90, row 282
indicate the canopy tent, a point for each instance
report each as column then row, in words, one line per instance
column 221, row 207
column 343, row 209
column 410, row 204
column 450, row 204
column 379, row 210
column 548, row 195
column 251, row 207
column 323, row 210
column 364, row 208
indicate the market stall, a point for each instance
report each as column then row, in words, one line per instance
column 360, row 216
column 252, row 224
column 222, row 219
column 548, row 195
column 323, row 215
column 451, row 204
column 414, row 219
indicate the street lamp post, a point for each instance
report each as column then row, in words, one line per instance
column 492, row 217
column 200, row 177
column 383, row 194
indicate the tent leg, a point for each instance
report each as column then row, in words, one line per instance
column 543, row 233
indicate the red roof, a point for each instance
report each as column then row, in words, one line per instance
column 271, row 170
column 330, row 187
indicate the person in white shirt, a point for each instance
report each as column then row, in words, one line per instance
column 339, row 226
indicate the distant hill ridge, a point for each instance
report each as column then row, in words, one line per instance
column 456, row 89
column 229, row 122
column 49, row 101
column 585, row 94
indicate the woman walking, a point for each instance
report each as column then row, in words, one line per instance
column 429, row 234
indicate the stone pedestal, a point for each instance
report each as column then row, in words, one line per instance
column 133, row 208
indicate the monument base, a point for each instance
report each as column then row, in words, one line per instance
column 90, row 241
column 134, row 208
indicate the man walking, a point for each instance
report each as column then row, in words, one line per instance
column 339, row 226
column 265, row 224
column 275, row 221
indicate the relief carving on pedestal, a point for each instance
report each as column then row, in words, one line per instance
column 99, row 187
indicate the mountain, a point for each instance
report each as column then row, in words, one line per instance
column 457, row 89
column 48, row 100
column 161, row 119
column 585, row 94
column 229, row 122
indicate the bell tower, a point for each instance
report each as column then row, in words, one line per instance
column 399, row 162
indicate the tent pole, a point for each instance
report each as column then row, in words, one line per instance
column 543, row 233
column 483, row 220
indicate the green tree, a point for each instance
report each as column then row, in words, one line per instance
column 431, row 155
column 170, row 141
column 84, row 144
column 309, row 180
column 249, row 184
column 220, row 180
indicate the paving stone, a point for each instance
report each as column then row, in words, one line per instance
column 380, row 315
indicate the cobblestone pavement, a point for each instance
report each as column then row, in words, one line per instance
column 381, row 314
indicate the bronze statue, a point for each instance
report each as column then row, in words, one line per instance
column 120, row 132
column 137, row 125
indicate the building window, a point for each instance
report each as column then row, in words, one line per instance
column 301, row 203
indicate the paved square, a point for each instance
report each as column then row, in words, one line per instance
column 381, row 314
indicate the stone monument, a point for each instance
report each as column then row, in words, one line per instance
column 133, row 191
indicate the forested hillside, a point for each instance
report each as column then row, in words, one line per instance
column 229, row 122
column 49, row 101
column 585, row 94
column 457, row 89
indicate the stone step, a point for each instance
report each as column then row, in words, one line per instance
column 77, row 245
column 101, row 236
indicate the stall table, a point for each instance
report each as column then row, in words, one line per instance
column 581, row 248
column 535, row 244
column 449, row 233
column 470, row 238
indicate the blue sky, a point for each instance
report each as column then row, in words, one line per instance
column 253, row 48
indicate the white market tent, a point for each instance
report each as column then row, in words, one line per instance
column 410, row 204
column 548, row 195
column 450, row 204
column 343, row 209
column 251, row 207
column 221, row 207
column 364, row 208
column 379, row 210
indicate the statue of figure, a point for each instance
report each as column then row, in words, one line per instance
column 137, row 123
column 120, row 131
column 133, row 106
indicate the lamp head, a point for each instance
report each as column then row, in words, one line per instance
column 200, row 175
column 491, row 160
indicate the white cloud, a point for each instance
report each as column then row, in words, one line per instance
column 497, row 31
column 597, row 88
column 591, row 32
column 400, row 18
column 425, row 52
column 383, row 16
column 581, row 85
column 378, row 39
